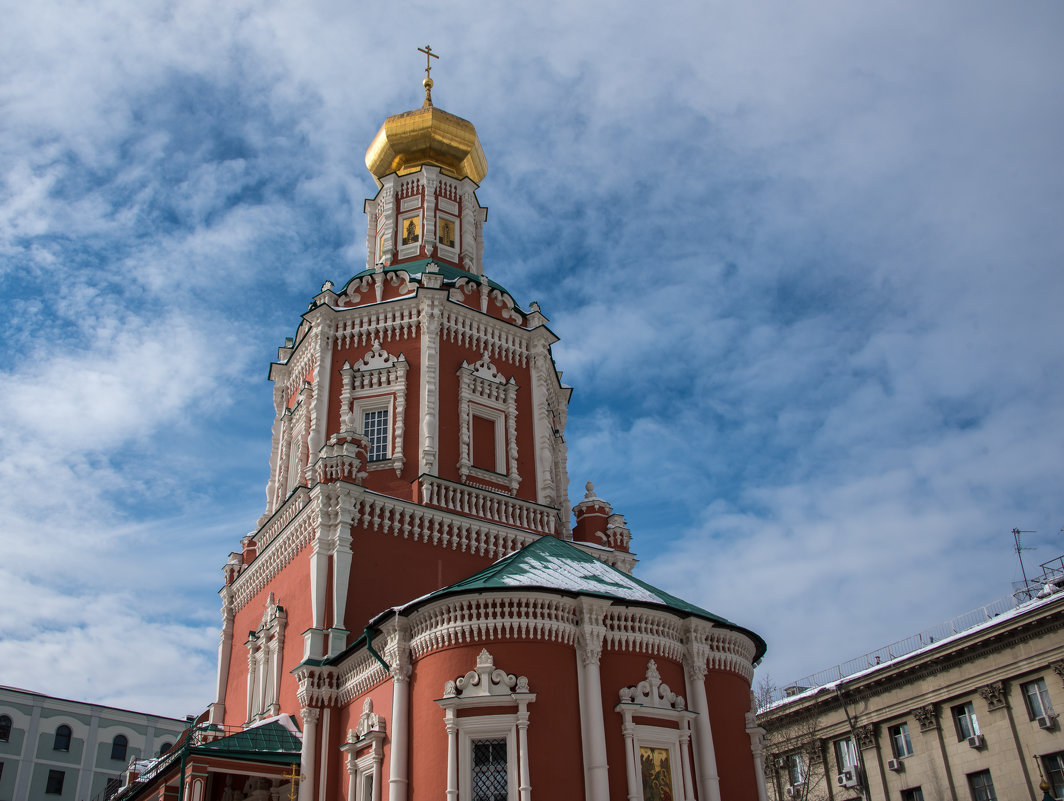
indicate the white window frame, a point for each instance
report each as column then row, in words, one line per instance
column 362, row 407
column 486, row 727
column 901, row 743
column 375, row 382
column 265, row 648
column 489, row 687
column 369, row 734
column 483, row 386
column 1040, row 694
column 967, row 713
column 496, row 415
column 412, row 248
column 449, row 250
column 845, row 746
column 650, row 699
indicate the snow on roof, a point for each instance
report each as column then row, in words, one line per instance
column 564, row 573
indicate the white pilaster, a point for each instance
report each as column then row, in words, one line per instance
column 430, row 369
column 695, row 680
column 308, row 752
column 590, row 639
column 399, row 659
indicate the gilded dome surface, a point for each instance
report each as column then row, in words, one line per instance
column 427, row 135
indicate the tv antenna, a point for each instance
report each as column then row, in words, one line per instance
column 1020, row 549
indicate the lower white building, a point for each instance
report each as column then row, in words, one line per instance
column 52, row 749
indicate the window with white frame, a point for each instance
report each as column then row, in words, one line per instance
column 1036, row 696
column 375, row 429
column 845, row 754
column 487, row 754
column 487, row 404
column 365, row 754
column 965, row 721
column 900, row 742
column 373, row 403
column 265, row 647
column 657, row 751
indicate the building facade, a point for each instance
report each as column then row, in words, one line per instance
column 972, row 716
column 52, row 749
column 421, row 613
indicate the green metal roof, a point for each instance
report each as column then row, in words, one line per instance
column 271, row 741
column 553, row 564
column 417, row 267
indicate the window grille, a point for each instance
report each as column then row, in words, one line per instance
column 375, row 429
column 489, row 770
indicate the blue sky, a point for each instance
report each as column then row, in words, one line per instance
column 805, row 262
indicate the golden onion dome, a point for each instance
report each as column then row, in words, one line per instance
column 427, row 135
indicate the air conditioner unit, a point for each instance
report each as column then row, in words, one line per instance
column 1046, row 722
column 794, row 791
column 894, row 765
column 849, row 778
column 976, row 741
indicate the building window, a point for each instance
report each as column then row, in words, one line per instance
column 964, row 718
column 912, row 794
column 375, row 429
column 900, row 742
column 488, row 439
column 1053, row 765
column 373, row 403
column 845, row 754
column 1036, row 694
column 364, row 772
column 119, row 746
column 54, row 786
column 795, row 769
column 62, row 739
column 5, row 728
column 165, row 748
column 265, row 647
column 487, row 400
column 488, row 770
column 982, row 786
column 487, row 754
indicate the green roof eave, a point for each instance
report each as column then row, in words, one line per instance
column 553, row 565
column 418, row 266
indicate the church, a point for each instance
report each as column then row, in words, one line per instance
column 421, row 613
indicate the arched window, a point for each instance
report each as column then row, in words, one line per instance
column 5, row 728
column 62, row 739
column 119, row 745
column 165, row 749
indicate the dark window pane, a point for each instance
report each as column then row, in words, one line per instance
column 55, row 783
column 489, row 770
column 62, row 739
column 119, row 745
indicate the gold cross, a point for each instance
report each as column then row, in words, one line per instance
column 427, row 83
column 293, row 777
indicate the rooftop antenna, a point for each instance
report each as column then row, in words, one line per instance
column 1019, row 551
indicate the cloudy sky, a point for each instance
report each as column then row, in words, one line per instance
column 805, row 261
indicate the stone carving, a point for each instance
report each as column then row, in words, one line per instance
column 866, row 736
column 926, row 716
column 485, row 680
column 652, row 692
column 1058, row 668
column 994, row 695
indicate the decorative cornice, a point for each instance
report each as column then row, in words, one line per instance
column 652, row 692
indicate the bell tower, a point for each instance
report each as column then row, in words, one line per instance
column 419, row 430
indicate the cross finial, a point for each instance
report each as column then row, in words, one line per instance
column 427, row 83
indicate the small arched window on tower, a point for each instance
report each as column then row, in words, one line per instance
column 119, row 747
column 5, row 728
column 62, row 739
column 165, row 749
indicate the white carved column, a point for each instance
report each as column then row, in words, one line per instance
column 591, row 635
column 757, row 745
column 524, row 784
column 225, row 651
column 631, row 757
column 399, row 659
column 251, row 680
column 308, row 752
column 431, row 317
column 324, row 749
column 695, row 656
column 452, row 754
column 469, row 234
column 685, row 761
